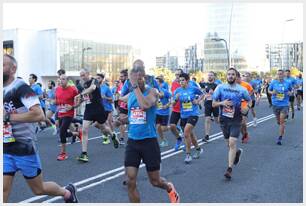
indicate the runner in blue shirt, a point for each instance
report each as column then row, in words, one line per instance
column 162, row 112
column 228, row 97
column 142, row 142
column 280, row 91
column 293, row 83
column 256, row 83
column 299, row 91
column 189, row 108
column 51, row 109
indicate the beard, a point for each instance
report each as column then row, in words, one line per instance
column 5, row 78
column 231, row 82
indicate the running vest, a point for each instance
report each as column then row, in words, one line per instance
column 141, row 122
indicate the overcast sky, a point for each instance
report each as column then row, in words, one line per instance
column 154, row 28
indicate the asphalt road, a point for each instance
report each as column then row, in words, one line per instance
column 267, row 173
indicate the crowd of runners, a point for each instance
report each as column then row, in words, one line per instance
column 145, row 106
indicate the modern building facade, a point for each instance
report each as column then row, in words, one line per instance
column 285, row 55
column 167, row 61
column 44, row 52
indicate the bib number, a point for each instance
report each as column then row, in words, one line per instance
column 187, row 106
column 62, row 108
column 280, row 96
column 8, row 134
column 228, row 111
column 86, row 99
column 138, row 116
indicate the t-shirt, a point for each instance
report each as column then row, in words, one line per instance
column 249, row 88
column 292, row 81
column 18, row 97
column 209, row 89
column 186, row 97
column 163, row 101
column 93, row 100
column 176, row 106
column 234, row 93
column 280, row 99
column 105, row 91
column 38, row 91
column 218, row 81
column 122, row 104
column 64, row 96
column 51, row 96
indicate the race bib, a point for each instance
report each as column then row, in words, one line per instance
column 86, row 99
column 138, row 116
column 228, row 111
column 187, row 106
column 123, row 105
column 280, row 96
column 8, row 134
column 159, row 105
column 62, row 108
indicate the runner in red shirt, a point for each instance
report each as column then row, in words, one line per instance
column 64, row 97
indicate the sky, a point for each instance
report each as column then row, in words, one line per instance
column 154, row 28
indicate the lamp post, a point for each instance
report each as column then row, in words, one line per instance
column 83, row 51
column 227, row 52
column 283, row 33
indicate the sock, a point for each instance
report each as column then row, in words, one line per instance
column 179, row 138
column 199, row 148
column 85, row 153
column 67, row 194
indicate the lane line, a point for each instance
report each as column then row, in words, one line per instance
column 216, row 136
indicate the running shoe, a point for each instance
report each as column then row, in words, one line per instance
column 188, row 159
column 279, row 141
column 73, row 197
column 83, row 158
column 62, row 156
column 54, row 130
column 121, row 141
column 228, row 173
column 238, row 156
column 178, row 143
column 173, row 194
column 163, row 143
column 106, row 140
column 115, row 140
column 206, row 138
column 197, row 153
column 255, row 122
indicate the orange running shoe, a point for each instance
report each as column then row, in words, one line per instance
column 173, row 195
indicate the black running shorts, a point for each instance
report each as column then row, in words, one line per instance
column 99, row 116
column 230, row 128
column 291, row 98
column 175, row 117
column 191, row 120
column 162, row 119
column 146, row 150
column 210, row 110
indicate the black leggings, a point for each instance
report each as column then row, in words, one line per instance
column 64, row 123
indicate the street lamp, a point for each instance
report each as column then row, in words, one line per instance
column 83, row 51
column 283, row 34
column 227, row 52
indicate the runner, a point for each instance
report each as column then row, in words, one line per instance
column 247, row 78
column 294, row 86
column 107, row 99
column 256, row 84
column 209, row 88
column 94, row 112
column 176, row 113
column 142, row 138
column 162, row 112
column 228, row 97
column 189, row 108
column 299, row 91
column 21, row 110
column 116, row 96
column 64, row 99
column 245, row 108
column 281, row 91
column 50, row 103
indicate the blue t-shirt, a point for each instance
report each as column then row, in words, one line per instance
column 141, row 122
column 186, row 97
column 165, row 85
column 193, row 83
column 256, row 84
column 218, row 81
column 280, row 99
column 163, row 101
column 235, row 93
column 291, row 80
column 105, row 91
column 51, row 95
column 299, row 83
column 38, row 91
